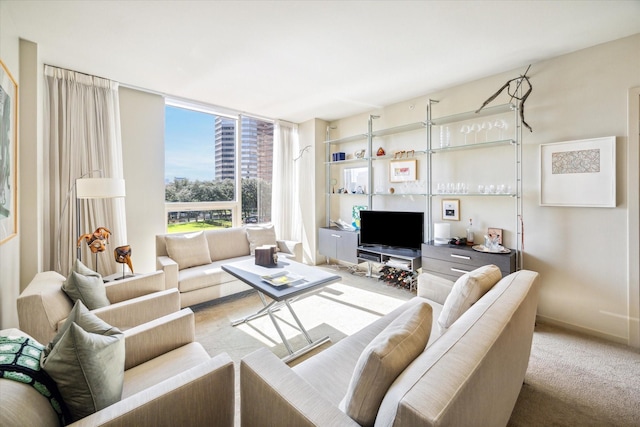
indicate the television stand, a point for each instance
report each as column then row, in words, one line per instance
column 401, row 258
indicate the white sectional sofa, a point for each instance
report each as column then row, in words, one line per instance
column 192, row 262
column 43, row 305
column 169, row 380
column 468, row 375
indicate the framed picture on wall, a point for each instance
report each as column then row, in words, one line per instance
column 579, row 173
column 451, row 209
column 8, row 154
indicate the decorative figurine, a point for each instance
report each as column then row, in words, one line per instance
column 122, row 255
column 380, row 152
column 96, row 240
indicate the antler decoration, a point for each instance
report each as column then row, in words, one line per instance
column 96, row 240
column 522, row 99
column 123, row 256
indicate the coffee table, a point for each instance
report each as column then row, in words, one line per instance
column 311, row 279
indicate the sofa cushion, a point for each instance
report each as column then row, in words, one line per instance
column 188, row 250
column 163, row 367
column 87, row 286
column 384, row 359
column 468, row 289
column 204, row 276
column 259, row 236
column 225, row 243
column 86, row 360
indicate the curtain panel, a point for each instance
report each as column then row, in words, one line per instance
column 81, row 139
column 286, row 214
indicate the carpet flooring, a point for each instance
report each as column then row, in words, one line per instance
column 572, row 379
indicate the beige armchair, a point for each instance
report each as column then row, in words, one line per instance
column 43, row 305
column 169, row 380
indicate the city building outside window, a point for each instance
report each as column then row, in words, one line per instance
column 207, row 185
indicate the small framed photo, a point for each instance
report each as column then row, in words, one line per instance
column 451, row 209
column 495, row 232
column 402, row 170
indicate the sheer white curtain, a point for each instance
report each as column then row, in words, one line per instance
column 81, row 139
column 285, row 196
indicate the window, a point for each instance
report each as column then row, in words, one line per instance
column 201, row 172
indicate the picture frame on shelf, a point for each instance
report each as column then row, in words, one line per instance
column 403, row 170
column 579, row 173
column 8, row 155
column 495, row 232
column 451, row 209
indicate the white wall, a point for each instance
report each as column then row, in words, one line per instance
column 580, row 253
column 142, row 126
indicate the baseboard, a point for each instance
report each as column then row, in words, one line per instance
column 587, row 331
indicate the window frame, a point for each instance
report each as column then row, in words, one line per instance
column 235, row 205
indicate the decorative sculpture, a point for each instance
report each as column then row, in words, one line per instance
column 96, row 240
column 122, row 255
column 522, row 99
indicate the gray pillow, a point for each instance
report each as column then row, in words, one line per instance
column 86, row 364
column 260, row 236
column 380, row 363
column 87, row 286
column 468, row 289
column 188, row 250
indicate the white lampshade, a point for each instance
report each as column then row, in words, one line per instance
column 99, row 188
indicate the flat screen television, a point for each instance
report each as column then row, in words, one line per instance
column 392, row 229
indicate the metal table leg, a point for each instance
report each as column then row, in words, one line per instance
column 270, row 308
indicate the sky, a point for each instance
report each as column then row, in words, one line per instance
column 189, row 145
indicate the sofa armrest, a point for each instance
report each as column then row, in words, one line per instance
column 135, row 286
column 274, row 395
column 170, row 268
column 434, row 287
column 202, row 395
column 159, row 336
column 291, row 247
column 42, row 305
column 127, row 314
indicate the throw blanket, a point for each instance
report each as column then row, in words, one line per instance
column 20, row 361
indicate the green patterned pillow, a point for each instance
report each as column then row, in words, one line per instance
column 20, row 361
column 87, row 286
column 86, row 360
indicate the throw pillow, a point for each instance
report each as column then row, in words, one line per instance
column 87, row 286
column 87, row 365
column 383, row 360
column 259, row 236
column 468, row 289
column 188, row 250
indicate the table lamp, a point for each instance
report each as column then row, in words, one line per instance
column 96, row 188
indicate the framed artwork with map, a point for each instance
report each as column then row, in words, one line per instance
column 8, row 154
column 579, row 173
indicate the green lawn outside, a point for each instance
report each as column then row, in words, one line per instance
column 187, row 227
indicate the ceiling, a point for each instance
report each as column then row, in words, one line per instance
column 298, row 60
